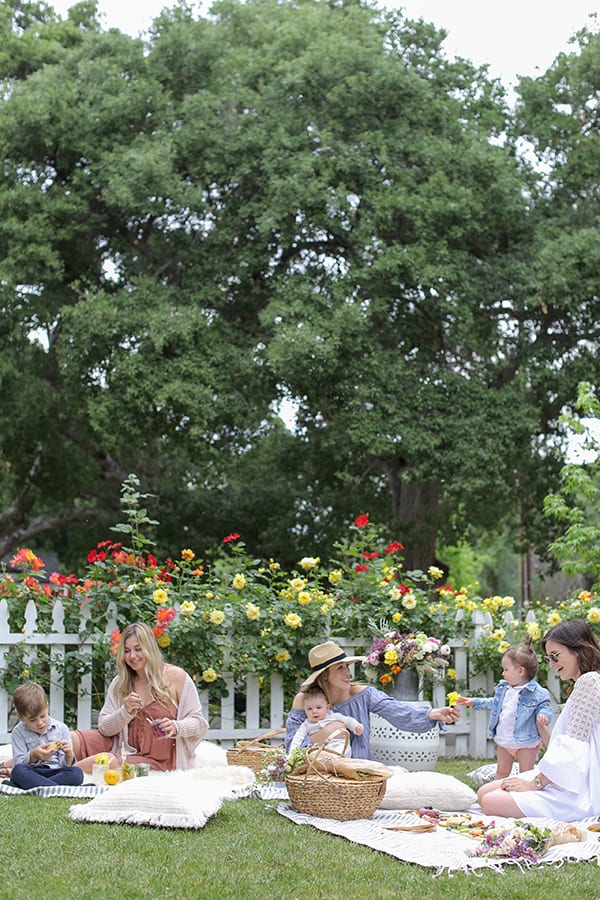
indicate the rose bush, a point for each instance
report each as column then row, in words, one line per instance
column 232, row 613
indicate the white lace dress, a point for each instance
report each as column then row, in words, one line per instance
column 572, row 760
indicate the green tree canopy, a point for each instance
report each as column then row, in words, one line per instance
column 303, row 200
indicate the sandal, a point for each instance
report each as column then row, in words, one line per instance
column 5, row 772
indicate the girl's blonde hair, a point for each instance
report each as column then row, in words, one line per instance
column 154, row 667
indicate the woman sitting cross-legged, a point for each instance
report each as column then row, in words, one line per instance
column 152, row 712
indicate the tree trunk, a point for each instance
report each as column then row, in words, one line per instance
column 416, row 510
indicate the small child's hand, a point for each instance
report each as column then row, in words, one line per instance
column 465, row 701
column 542, row 719
column 359, row 729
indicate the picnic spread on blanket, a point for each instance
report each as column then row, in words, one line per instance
column 422, row 834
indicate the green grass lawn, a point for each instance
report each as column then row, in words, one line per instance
column 246, row 851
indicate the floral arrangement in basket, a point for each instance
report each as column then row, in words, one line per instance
column 391, row 652
column 278, row 764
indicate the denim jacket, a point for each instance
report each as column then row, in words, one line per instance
column 534, row 700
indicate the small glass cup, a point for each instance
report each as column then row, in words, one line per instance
column 142, row 770
column 98, row 771
column 157, row 729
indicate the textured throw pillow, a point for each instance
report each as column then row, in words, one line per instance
column 166, row 800
column 416, row 789
column 485, row 774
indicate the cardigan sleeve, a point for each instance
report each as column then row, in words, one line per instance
column 113, row 716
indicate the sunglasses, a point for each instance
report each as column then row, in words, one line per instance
column 553, row 657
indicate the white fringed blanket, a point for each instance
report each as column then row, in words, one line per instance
column 442, row 850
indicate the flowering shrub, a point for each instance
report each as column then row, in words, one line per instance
column 391, row 652
column 239, row 615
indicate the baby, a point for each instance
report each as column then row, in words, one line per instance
column 520, row 711
column 318, row 715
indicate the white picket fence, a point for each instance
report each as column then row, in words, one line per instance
column 468, row 737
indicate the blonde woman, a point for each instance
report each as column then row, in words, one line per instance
column 152, row 711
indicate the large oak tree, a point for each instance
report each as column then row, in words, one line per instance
column 303, row 200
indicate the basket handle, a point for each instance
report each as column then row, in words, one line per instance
column 257, row 741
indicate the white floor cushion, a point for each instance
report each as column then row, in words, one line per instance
column 167, row 800
column 413, row 790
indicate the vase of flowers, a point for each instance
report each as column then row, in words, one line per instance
column 398, row 663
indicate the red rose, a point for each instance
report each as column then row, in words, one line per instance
column 394, row 547
column 362, row 521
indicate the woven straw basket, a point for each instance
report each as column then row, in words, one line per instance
column 330, row 797
column 252, row 753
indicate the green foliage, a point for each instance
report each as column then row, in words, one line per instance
column 194, row 227
column 575, row 505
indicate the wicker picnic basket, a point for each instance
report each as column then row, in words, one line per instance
column 252, row 753
column 325, row 792
column 331, row 797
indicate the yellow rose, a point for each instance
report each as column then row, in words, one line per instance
column 451, row 673
column 187, row 554
column 209, row 675
column 453, row 698
column 187, row 608
column 554, row 619
column 164, row 640
column 282, row 656
column 297, row 584
column 252, row 612
column 434, row 573
column 217, row 616
column 409, row 601
column 533, row 630
column 593, row 615
column 303, row 598
column 160, row 596
column 503, row 646
column 397, row 617
column 292, row 620
column 309, row 562
column 390, row 657
column 239, row 581
column 394, row 594
column 335, row 576
column 209, row 595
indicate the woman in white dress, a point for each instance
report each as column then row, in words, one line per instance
column 566, row 783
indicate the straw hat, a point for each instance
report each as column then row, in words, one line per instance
column 325, row 655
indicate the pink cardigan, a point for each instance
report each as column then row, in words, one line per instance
column 114, row 719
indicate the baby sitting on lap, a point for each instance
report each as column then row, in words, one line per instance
column 321, row 722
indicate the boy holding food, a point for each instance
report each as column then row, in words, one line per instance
column 42, row 750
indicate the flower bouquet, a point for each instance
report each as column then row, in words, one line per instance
column 392, row 652
column 278, row 764
column 525, row 842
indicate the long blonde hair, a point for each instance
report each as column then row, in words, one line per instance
column 154, row 667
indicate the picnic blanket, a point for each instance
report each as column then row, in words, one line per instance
column 54, row 790
column 442, row 850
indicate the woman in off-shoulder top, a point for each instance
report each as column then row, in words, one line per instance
column 566, row 783
column 330, row 670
